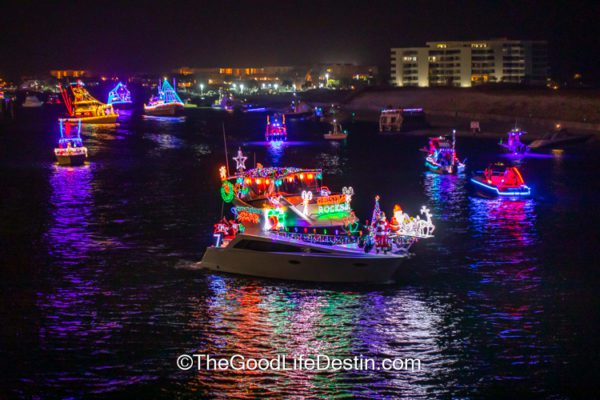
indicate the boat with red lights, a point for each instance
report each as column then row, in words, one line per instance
column 513, row 142
column 288, row 225
column 167, row 103
column 441, row 155
column 70, row 150
column 82, row 106
column 276, row 130
column 498, row 180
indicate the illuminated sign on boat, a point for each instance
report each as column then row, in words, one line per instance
column 334, row 199
column 333, row 208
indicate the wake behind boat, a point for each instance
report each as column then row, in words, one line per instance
column 288, row 225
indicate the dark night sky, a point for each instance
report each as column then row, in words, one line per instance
column 36, row 36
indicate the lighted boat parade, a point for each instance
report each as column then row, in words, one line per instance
column 82, row 106
column 166, row 103
column 288, row 225
column 70, row 150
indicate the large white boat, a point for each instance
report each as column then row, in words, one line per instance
column 288, row 225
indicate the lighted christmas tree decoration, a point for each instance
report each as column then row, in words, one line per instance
column 240, row 160
column 120, row 95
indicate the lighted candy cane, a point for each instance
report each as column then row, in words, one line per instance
column 306, row 198
column 348, row 191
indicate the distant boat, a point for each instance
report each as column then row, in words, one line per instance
column 299, row 110
column 276, row 130
column 513, row 142
column 558, row 139
column 120, row 96
column 81, row 105
column 441, row 156
column 167, row 102
column 32, row 102
column 336, row 132
column 70, row 150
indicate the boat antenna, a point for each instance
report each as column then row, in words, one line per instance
column 225, row 144
column 453, row 139
column 254, row 159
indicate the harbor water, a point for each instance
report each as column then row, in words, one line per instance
column 101, row 290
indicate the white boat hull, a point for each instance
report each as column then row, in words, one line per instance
column 338, row 267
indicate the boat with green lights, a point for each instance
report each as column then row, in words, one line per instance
column 286, row 224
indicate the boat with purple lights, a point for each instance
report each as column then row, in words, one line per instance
column 513, row 142
column 276, row 130
column 288, row 225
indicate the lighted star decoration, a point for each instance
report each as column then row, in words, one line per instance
column 240, row 160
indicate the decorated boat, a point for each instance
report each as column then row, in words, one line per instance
column 336, row 132
column 166, row 103
column 441, row 155
column 82, row 106
column 288, row 225
column 498, row 180
column 120, row 96
column 276, row 130
column 32, row 101
column 70, row 150
column 299, row 110
column 513, row 142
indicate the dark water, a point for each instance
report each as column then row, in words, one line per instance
column 100, row 294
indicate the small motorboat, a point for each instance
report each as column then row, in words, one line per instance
column 558, row 139
column 513, row 142
column 167, row 103
column 276, row 130
column 70, row 150
column 441, row 156
column 498, row 180
column 32, row 102
column 287, row 225
column 336, row 132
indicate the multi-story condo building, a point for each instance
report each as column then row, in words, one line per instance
column 470, row 63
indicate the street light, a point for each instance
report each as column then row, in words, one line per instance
column 241, row 88
column 201, row 88
column 326, row 79
column 275, row 86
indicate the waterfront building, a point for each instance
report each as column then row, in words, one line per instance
column 468, row 63
column 69, row 73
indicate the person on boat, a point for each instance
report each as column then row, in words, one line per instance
column 381, row 234
column 512, row 177
column 488, row 173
